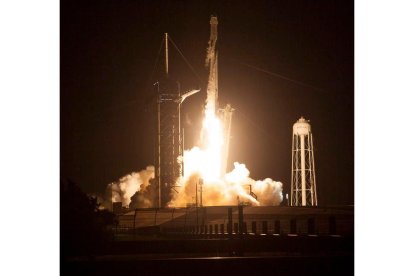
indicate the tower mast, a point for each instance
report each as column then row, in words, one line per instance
column 169, row 139
column 166, row 54
column 168, row 169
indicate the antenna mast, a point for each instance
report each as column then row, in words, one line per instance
column 166, row 54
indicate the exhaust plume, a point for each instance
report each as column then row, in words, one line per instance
column 236, row 187
column 128, row 185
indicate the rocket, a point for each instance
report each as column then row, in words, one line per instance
column 211, row 63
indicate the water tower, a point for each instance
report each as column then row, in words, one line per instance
column 303, row 185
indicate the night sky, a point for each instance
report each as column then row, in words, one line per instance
column 278, row 60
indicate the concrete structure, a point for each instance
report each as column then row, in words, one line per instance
column 269, row 220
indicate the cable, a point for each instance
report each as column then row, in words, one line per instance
column 252, row 122
column 155, row 65
column 280, row 76
column 186, row 61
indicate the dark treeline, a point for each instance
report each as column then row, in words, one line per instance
column 83, row 226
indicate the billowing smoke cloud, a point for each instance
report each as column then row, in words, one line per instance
column 127, row 186
column 268, row 191
column 234, row 188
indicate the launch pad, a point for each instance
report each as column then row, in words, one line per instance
column 220, row 221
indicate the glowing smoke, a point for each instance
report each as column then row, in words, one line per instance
column 126, row 187
column 232, row 189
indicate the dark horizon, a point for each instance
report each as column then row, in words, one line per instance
column 278, row 60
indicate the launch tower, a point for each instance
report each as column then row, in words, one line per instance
column 169, row 140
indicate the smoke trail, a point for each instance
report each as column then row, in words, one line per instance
column 123, row 189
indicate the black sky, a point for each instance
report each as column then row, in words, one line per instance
column 108, row 52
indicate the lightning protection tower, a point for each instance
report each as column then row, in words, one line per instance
column 169, row 139
column 169, row 145
column 303, row 184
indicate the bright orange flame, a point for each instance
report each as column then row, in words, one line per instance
column 205, row 163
